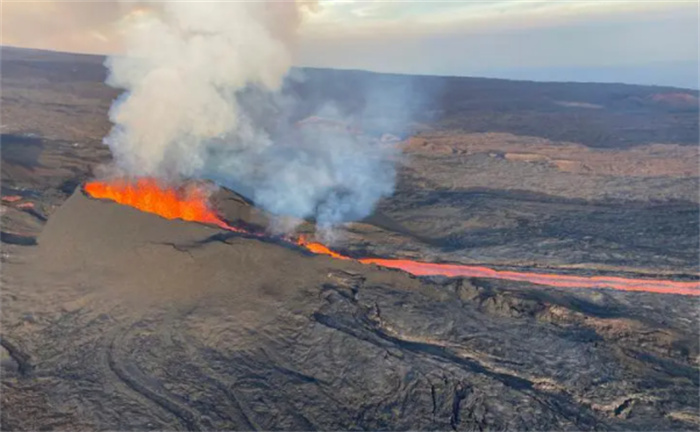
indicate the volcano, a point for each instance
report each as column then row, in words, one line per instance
column 516, row 279
column 190, row 203
column 216, row 329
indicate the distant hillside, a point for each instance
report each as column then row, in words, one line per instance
column 665, row 73
column 597, row 115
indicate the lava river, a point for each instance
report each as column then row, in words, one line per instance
column 190, row 203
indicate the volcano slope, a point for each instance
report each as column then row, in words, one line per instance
column 130, row 321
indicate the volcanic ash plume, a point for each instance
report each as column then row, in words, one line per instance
column 204, row 99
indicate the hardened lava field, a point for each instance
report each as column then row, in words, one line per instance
column 116, row 318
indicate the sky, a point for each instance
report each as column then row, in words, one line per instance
column 644, row 42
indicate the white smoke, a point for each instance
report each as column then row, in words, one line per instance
column 203, row 99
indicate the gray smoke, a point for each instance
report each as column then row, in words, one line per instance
column 210, row 94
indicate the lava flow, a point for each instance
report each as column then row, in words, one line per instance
column 319, row 248
column 191, row 204
column 556, row 280
column 150, row 196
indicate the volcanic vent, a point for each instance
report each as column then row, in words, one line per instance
column 98, row 239
column 190, row 202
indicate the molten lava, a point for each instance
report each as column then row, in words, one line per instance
column 148, row 195
column 418, row 268
column 555, row 280
column 191, row 204
column 319, row 248
column 11, row 198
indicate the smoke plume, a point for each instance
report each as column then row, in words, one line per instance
column 209, row 94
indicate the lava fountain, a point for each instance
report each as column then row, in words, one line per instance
column 191, row 203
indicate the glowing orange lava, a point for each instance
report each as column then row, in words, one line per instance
column 148, row 195
column 191, row 204
column 555, row 280
column 319, row 248
column 11, row 198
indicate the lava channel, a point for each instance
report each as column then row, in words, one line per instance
column 191, row 203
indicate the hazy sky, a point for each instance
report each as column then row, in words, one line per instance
column 625, row 41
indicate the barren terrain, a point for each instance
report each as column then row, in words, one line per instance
column 117, row 319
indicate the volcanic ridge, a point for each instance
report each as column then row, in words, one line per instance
column 190, row 203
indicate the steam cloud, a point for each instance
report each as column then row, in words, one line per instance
column 207, row 96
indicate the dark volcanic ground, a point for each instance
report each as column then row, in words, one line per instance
column 117, row 319
column 129, row 321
